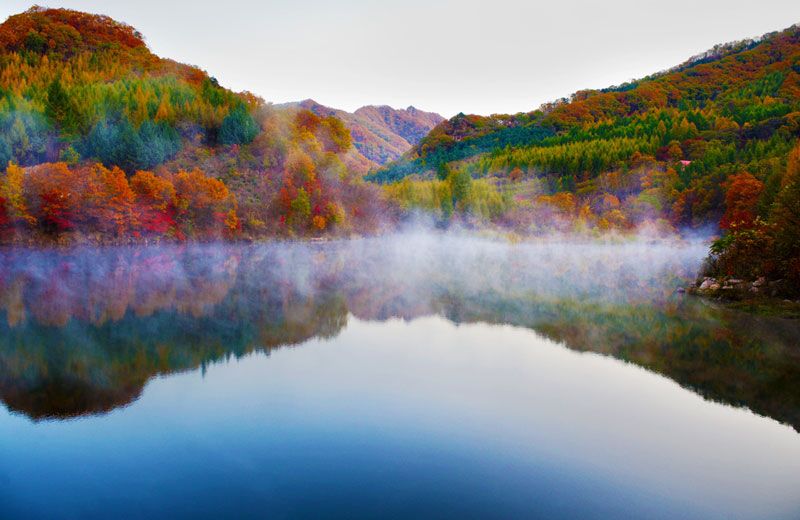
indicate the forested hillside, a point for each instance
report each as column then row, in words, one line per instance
column 710, row 144
column 103, row 138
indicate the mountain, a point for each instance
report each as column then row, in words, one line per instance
column 101, row 139
column 381, row 134
column 709, row 144
column 732, row 109
column 747, row 90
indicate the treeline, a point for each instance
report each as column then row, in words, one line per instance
column 290, row 181
column 455, row 193
column 53, row 200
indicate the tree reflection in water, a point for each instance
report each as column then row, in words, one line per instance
column 83, row 330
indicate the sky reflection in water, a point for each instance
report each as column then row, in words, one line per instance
column 153, row 383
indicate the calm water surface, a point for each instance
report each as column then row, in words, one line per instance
column 417, row 375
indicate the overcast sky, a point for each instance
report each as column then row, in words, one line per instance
column 448, row 56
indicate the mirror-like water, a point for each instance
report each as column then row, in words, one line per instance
column 415, row 375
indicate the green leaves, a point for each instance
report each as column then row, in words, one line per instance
column 118, row 143
column 238, row 127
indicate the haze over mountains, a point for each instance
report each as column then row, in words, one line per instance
column 381, row 134
column 101, row 136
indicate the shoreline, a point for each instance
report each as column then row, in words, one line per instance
column 760, row 296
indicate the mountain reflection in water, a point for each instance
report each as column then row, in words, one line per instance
column 82, row 331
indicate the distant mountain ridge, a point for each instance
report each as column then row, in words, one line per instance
column 381, row 134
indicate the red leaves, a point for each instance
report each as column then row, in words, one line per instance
column 56, row 212
column 741, row 199
column 53, row 193
column 94, row 199
column 154, row 220
column 4, row 218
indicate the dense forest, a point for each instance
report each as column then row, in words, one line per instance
column 105, row 141
column 101, row 140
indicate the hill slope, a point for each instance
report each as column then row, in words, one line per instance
column 710, row 143
column 734, row 108
column 749, row 89
column 102, row 137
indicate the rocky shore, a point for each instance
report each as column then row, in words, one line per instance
column 760, row 296
column 735, row 289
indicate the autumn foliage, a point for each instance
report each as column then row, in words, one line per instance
column 741, row 200
column 762, row 229
column 53, row 199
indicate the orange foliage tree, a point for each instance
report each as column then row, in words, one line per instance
column 53, row 194
column 15, row 205
column 204, row 204
column 741, row 199
column 108, row 200
column 53, row 198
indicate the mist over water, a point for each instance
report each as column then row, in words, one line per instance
column 420, row 373
column 415, row 267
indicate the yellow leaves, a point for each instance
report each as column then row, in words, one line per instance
column 204, row 202
column 11, row 189
column 616, row 218
column 231, row 221
column 563, row 202
column 300, row 167
column 319, row 222
column 154, row 190
column 585, row 213
column 199, row 191
column 722, row 124
column 165, row 112
column 335, row 136
column 427, row 195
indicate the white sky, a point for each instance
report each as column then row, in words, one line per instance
column 447, row 56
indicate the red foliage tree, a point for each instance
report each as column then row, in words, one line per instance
column 741, row 197
column 4, row 218
column 155, row 202
column 53, row 193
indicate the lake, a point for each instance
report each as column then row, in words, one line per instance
column 415, row 375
